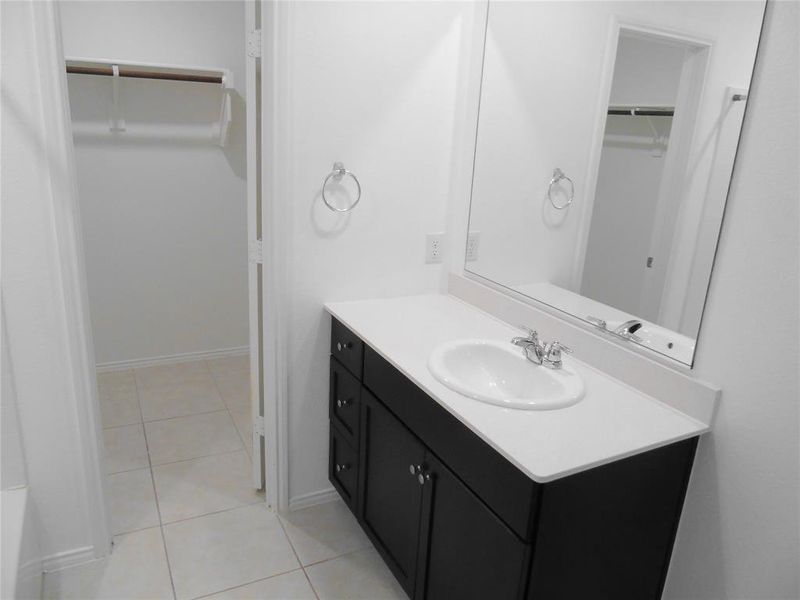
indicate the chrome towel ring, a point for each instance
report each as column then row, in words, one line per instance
column 337, row 174
column 558, row 175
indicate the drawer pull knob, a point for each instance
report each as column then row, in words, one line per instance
column 346, row 346
column 343, row 403
column 342, row 467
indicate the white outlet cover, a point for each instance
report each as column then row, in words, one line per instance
column 434, row 248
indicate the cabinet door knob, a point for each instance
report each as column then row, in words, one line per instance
column 414, row 469
column 423, row 477
column 342, row 403
column 346, row 346
column 342, row 467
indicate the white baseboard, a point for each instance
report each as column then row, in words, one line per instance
column 153, row 361
column 313, row 498
column 69, row 558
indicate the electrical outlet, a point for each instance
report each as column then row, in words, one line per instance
column 434, row 247
column 473, row 239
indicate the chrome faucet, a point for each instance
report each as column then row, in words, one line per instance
column 628, row 329
column 531, row 345
column 538, row 352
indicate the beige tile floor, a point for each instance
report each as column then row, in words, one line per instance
column 186, row 521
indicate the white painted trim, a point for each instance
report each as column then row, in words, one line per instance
column 254, row 264
column 673, row 178
column 169, row 359
column 593, row 165
column 79, row 360
column 465, row 124
column 313, row 499
column 275, row 169
column 68, row 558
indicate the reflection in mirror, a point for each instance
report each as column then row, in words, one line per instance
column 606, row 139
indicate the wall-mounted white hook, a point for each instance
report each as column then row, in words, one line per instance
column 116, row 120
column 225, row 115
column 224, row 124
column 658, row 140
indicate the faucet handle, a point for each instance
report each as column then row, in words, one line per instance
column 557, row 347
column 532, row 333
column 597, row 322
column 552, row 354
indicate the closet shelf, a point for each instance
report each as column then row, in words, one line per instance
column 141, row 70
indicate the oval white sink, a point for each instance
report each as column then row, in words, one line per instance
column 499, row 373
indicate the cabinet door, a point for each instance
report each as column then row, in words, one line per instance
column 391, row 494
column 466, row 551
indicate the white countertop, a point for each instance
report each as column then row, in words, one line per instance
column 612, row 421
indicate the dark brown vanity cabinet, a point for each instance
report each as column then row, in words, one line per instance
column 452, row 518
column 390, row 495
column 438, row 538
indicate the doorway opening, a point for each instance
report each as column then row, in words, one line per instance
column 168, row 174
column 639, row 202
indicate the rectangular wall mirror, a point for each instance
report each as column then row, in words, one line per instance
column 606, row 139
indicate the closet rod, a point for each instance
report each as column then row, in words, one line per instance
column 642, row 112
column 128, row 72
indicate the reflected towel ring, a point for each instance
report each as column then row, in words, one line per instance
column 558, row 175
column 338, row 172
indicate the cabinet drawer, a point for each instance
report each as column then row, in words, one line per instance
column 510, row 493
column 345, row 399
column 343, row 467
column 347, row 348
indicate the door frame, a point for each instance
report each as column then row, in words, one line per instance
column 689, row 94
column 254, row 236
column 274, row 168
column 70, row 272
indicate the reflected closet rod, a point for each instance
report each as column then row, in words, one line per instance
column 139, row 74
column 642, row 112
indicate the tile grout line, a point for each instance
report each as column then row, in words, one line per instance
column 214, row 512
column 136, row 530
column 300, row 562
column 194, row 414
column 175, row 462
column 236, row 587
column 182, row 460
column 155, row 494
column 228, row 408
column 342, row 555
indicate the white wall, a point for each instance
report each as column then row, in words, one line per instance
column 371, row 85
column 647, row 71
column 164, row 220
column 12, row 457
column 544, row 94
column 46, row 320
column 738, row 538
